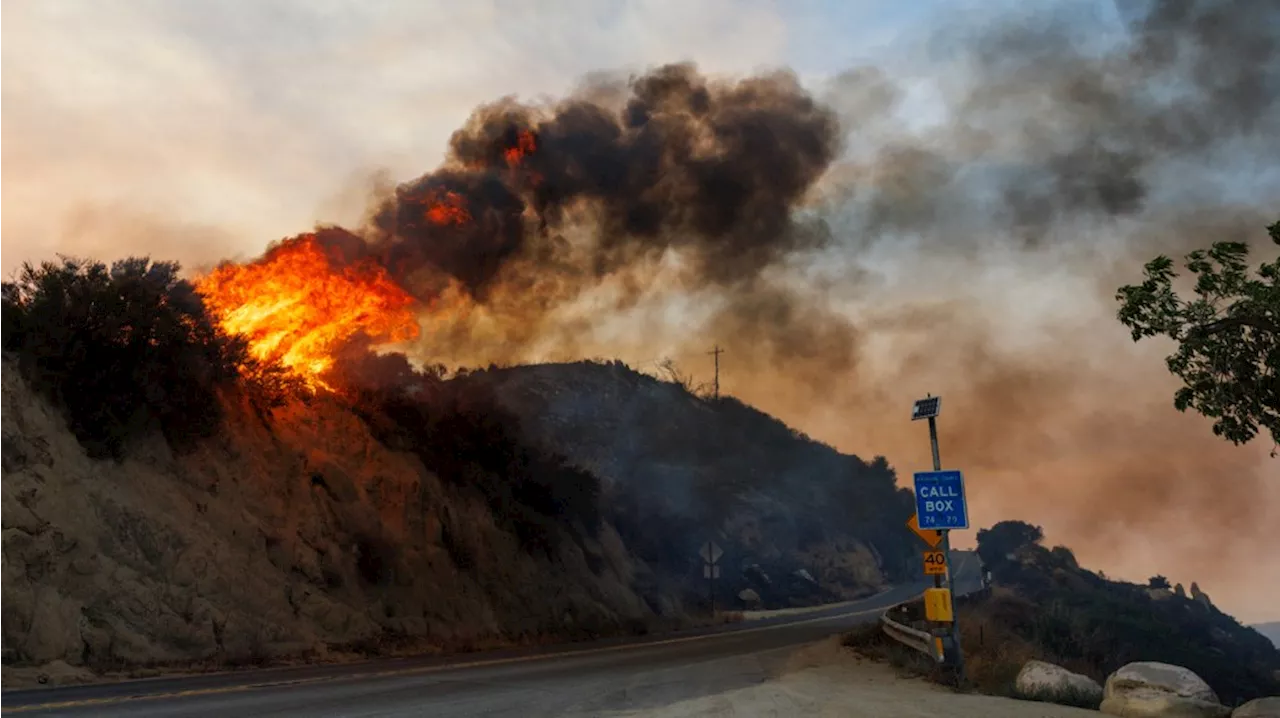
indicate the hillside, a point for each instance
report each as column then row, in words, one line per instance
column 1099, row 625
column 1044, row 606
column 296, row 535
column 1270, row 630
column 328, row 527
column 707, row 467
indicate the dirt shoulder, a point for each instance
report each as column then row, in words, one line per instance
column 826, row 679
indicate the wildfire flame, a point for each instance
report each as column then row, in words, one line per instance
column 296, row 306
column 447, row 208
column 526, row 144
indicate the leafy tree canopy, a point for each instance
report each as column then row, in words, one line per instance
column 1004, row 538
column 120, row 349
column 1228, row 335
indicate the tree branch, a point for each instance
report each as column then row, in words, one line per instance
column 1261, row 324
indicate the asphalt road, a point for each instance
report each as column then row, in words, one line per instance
column 584, row 679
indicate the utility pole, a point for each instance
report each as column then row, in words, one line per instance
column 717, row 352
column 946, row 549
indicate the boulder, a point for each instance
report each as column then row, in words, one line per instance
column 1054, row 684
column 1159, row 690
column 1259, row 708
column 1198, row 595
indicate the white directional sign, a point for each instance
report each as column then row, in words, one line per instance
column 710, row 571
column 710, row 552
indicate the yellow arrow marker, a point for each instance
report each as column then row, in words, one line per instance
column 930, row 536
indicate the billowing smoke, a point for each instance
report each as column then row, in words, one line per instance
column 1064, row 157
column 674, row 161
column 1050, row 128
column 857, row 246
column 851, row 259
column 673, row 182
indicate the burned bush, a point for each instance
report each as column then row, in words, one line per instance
column 471, row 442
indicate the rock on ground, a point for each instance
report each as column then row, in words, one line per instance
column 1259, row 708
column 1147, row 689
column 1043, row 681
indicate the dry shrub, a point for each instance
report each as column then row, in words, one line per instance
column 870, row 641
column 993, row 653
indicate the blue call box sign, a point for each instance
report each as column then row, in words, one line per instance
column 940, row 500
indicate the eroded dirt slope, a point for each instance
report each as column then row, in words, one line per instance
column 295, row 535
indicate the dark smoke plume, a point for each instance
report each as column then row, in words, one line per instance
column 1051, row 129
column 1063, row 153
column 1064, row 156
column 711, row 169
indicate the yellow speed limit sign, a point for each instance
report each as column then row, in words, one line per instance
column 935, row 563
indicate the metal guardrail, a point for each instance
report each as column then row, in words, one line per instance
column 922, row 641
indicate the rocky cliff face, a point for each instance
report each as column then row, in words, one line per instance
column 298, row 534
column 302, row 533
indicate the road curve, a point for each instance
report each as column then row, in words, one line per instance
column 571, row 680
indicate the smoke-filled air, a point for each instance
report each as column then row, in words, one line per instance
column 956, row 226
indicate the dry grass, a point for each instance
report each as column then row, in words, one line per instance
column 720, row 619
column 993, row 652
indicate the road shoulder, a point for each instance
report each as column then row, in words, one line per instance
column 827, row 679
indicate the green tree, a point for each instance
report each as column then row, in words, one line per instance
column 120, row 350
column 1158, row 581
column 1004, row 538
column 10, row 316
column 1228, row 335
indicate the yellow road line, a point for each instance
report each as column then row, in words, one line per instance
column 422, row 669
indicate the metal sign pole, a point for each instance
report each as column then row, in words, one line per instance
column 711, row 553
column 954, row 628
column 711, row 587
column 937, row 466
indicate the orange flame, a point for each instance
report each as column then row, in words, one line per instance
column 447, row 208
column 294, row 306
column 526, row 144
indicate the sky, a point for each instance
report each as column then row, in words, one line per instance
column 256, row 118
column 201, row 131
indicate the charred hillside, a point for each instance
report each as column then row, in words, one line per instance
column 716, row 467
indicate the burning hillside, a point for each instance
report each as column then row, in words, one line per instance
column 298, row 304
column 538, row 204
